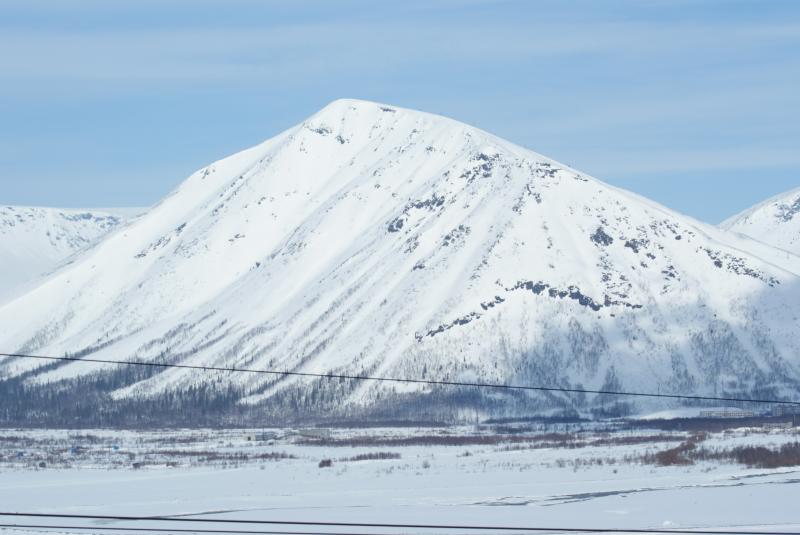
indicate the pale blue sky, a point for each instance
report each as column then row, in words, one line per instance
column 694, row 104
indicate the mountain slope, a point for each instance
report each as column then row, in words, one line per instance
column 373, row 239
column 33, row 241
column 775, row 221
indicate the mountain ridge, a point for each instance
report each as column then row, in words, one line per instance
column 35, row 240
column 775, row 221
column 370, row 239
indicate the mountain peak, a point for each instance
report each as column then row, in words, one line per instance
column 362, row 113
column 347, row 108
column 341, row 105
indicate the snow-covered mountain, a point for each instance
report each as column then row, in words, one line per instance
column 775, row 221
column 372, row 239
column 34, row 241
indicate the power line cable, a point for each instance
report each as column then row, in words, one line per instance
column 175, row 530
column 443, row 527
column 403, row 380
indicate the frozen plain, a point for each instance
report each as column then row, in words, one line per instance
column 598, row 479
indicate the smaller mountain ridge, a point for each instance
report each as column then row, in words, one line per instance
column 775, row 221
column 34, row 241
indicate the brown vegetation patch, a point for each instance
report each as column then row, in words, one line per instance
column 377, row 456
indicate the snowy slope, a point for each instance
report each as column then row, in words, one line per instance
column 775, row 221
column 373, row 239
column 33, row 241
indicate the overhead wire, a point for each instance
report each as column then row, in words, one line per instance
column 84, row 529
column 420, row 526
column 435, row 382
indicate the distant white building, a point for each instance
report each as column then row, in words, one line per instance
column 314, row 433
column 785, row 410
column 777, row 425
column 727, row 414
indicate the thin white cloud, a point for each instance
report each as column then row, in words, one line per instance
column 652, row 163
column 305, row 50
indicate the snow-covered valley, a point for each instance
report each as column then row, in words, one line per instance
column 548, row 477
